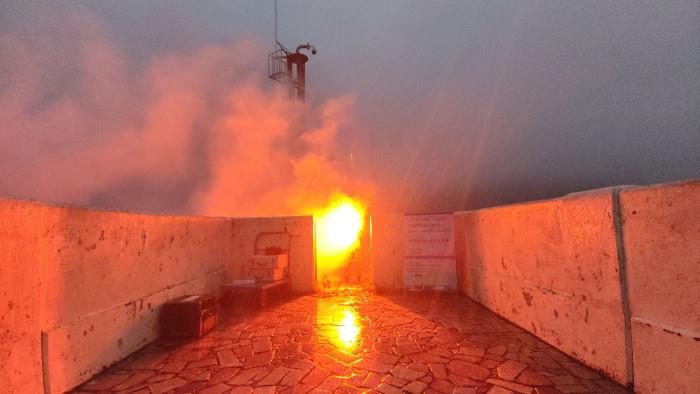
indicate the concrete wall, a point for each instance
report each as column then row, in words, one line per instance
column 550, row 267
column 661, row 231
column 20, row 341
column 610, row 276
column 298, row 229
column 104, row 276
column 81, row 289
column 84, row 286
column 387, row 251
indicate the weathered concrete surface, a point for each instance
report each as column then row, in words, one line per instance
column 551, row 267
column 88, row 285
column 387, row 251
column 276, row 232
column 661, row 229
column 105, row 275
column 20, row 346
column 95, row 260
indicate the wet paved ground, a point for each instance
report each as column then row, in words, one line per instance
column 357, row 341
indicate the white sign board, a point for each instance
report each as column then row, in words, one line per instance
column 429, row 252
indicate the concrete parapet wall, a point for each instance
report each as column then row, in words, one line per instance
column 661, row 231
column 81, row 289
column 105, row 275
column 20, row 339
column 551, row 267
column 610, row 277
column 84, row 287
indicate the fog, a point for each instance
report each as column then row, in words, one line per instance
column 412, row 106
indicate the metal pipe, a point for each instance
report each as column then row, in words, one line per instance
column 307, row 46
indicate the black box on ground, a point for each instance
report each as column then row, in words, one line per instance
column 189, row 316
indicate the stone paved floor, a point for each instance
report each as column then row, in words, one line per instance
column 356, row 341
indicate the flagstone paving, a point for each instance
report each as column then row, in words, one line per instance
column 356, row 341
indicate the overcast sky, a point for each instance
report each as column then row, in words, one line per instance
column 464, row 104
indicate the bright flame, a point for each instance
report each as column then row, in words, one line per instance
column 338, row 230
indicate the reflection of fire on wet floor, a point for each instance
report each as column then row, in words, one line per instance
column 353, row 340
column 339, row 321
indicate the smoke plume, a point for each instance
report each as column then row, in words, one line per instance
column 200, row 131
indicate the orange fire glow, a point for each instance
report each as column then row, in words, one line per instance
column 338, row 229
column 339, row 323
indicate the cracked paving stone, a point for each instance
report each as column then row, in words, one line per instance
column 223, row 375
column 394, row 381
column 406, row 373
column 372, row 365
column 517, row 387
column 510, row 369
column 546, row 390
column 416, row 387
column 228, row 359
column 572, row 388
column 442, row 386
column 472, row 371
column 258, row 360
column 389, row 389
column 293, row 377
column 274, row 377
column 218, row 389
column 464, row 390
column 531, row 378
column 166, row 385
column 372, row 380
column 472, row 351
column 499, row 390
column 133, row 380
column 241, row 390
column 316, row 376
column 497, row 350
column 174, row 367
column 563, row 379
column 437, row 370
column 331, row 383
column 247, row 375
column 385, row 358
column 407, row 349
column 106, row 382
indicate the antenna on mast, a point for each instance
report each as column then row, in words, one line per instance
column 287, row 67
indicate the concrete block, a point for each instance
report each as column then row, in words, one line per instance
column 81, row 348
column 665, row 360
column 661, row 230
column 294, row 232
column 20, row 340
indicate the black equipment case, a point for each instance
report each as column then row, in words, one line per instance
column 190, row 316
